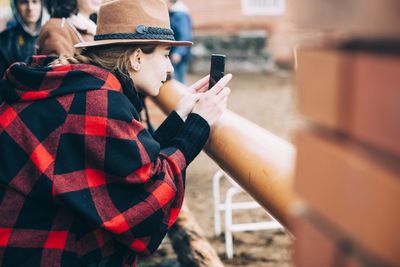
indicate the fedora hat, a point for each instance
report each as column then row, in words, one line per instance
column 133, row 22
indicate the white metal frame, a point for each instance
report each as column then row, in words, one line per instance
column 228, row 206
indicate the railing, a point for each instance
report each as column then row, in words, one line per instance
column 262, row 163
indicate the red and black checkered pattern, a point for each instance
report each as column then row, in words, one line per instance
column 81, row 180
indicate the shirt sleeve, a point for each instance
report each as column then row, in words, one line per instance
column 112, row 173
column 168, row 129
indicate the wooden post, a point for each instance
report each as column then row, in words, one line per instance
column 189, row 243
column 262, row 163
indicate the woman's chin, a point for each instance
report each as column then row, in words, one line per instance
column 156, row 93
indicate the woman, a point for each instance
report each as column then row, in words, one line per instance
column 70, row 24
column 82, row 181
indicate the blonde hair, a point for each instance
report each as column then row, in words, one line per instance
column 112, row 57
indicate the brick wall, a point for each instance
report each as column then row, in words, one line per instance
column 347, row 168
column 226, row 16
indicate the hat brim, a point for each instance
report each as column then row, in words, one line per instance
column 132, row 41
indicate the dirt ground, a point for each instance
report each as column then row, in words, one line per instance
column 269, row 101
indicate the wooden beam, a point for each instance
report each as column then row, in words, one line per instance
column 189, row 243
column 262, row 163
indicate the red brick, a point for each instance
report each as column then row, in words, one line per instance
column 357, row 17
column 322, row 77
column 356, row 190
column 314, row 248
column 354, row 93
column 376, row 109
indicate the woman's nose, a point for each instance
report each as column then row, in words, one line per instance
column 170, row 68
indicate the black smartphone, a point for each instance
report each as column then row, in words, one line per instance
column 217, row 70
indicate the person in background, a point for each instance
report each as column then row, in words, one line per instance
column 70, row 24
column 82, row 182
column 17, row 42
column 181, row 24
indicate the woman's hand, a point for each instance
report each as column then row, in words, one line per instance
column 212, row 104
column 186, row 104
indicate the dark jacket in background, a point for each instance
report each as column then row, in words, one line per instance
column 181, row 24
column 17, row 42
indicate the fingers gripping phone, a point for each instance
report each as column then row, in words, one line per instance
column 217, row 70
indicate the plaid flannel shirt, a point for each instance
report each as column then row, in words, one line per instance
column 81, row 180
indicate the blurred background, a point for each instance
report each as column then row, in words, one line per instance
column 257, row 39
column 330, row 69
column 5, row 13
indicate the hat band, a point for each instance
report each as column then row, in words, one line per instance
column 142, row 32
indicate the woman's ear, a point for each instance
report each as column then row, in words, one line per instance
column 135, row 59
